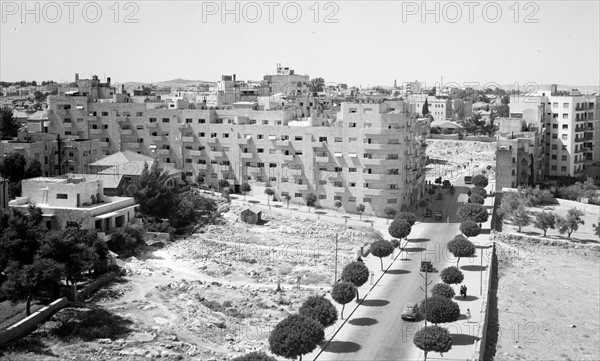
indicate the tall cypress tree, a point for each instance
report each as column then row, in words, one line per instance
column 425, row 109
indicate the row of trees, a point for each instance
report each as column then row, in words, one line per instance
column 34, row 261
column 15, row 167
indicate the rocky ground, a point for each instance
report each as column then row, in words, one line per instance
column 211, row 296
column 452, row 159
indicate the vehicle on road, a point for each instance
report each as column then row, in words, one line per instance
column 468, row 179
column 428, row 212
column 410, row 311
column 438, row 215
column 426, row 266
column 440, row 195
column 452, row 190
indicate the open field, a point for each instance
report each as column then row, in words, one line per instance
column 207, row 297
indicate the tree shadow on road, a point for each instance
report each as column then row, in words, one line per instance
column 363, row 321
column 473, row 268
column 463, row 339
column 418, row 240
column 466, row 299
column 397, row 272
column 375, row 303
column 413, row 249
column 342, row 347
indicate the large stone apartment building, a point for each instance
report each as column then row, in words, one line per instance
column 371, row 153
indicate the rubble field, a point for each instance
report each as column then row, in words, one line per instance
column 210, row 296
column 448, row 158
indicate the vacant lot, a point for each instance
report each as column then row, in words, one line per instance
column 548, row 303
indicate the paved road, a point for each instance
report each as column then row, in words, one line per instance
column 375, row 330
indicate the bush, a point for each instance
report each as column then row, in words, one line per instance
column 459, row 246
column 479, row 191
column 443, row 290
column 295, row 336
column 476, row 199
column 433, row 338
column 470, row 228
column 255, row 356
column 439, row 309
column 381, row 249
column 126, row 241
column 399, row 228
column 395, row 243
column 452, row 275
column 472, row 212
column 319, row 309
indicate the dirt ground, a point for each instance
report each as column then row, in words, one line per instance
column 548, row 303
column 211, row 296
column 451, row 158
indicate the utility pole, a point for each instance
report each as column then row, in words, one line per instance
column 427, row 283
column 58, row 141
column 336, row 259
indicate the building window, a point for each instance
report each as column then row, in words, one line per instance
column 351, row 199
column 352, row 125
column 554, row 105
column 322, row 196
column 563, row 158
column 553, row 167
column 367, row 200
column 392, row 201
column 105, row 114
column 553, row 156
column 62, row 196
column 337, row 169
column 565, row 105
column 298, row 195
column 563, row 168
column 352, row 184
column 338, row 139
column 260, row 136
column 260, row 150
column 298, row 152
column 554, row 126
column 565, row 126
column 298, row 138
column 352, row 170
column 201, row 121
column 393, row 171
column 165, row 120
column 265, row 122
column 565, row 116
column 188, row 160
column 554, row 147
column 393, row 186
column 338, row 184
column 337, row 198
column 323, row 139
column 365, row 185
column 564, row 137
column 554, row 136
column 225, row 135
column 322, row 182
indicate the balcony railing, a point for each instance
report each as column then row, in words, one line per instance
column 187, row 139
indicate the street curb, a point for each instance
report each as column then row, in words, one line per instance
column 360, row 303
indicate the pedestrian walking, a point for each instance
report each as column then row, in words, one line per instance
column 468, row 315
column 465, row 292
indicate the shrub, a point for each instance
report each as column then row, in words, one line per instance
column 479, row 191
column 476, row 199
column 443, row 289
column 395, row 243
column 319, row 309
column 342, row 293
column 255, row 356
column 381, row 249
column 295, row 336
column 440, row 309
column 399, row 228
column 470, row 228
column 452, row 275
column 459, row 246
column 433, row 338
column 390, row 212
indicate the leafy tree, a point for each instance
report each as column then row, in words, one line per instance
column 316, row 85
column 151, row 190
column 245, row 188
column 311, row 200
column 472, row 212
column 578, row 190
column 200, row 179
column 255, row 356
column 381, row 248
column 571, row 223
column 8, row 125
column 12, row 167
column 20, row 235
column 126, row 240
column 470, row 229
column 536, row 196
column 452, row 275
column 342, row 293
column 433, row 338
column 287, row 198
column 511, row 201
column 459, row 246
column 423, row 204
column 446, row 183
column 431, row 191
column 544, row 220
column 399, row 228
column 193, row 209
column 33, row 168
column 25, row 281
column 443, row 290
column 408, row 217
column 390, row 212
column 356, row 273
column 438, row 180
column 269, row 192
column 337, row 204
column 520, row 217
column 295, row 336
column 479, row 191
column 440, row 309
column 360, row 209
column 596, row 229
column 319, row 309
column 476, row 199
column 223, row 183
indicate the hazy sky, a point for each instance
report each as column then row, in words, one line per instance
column 356, row 42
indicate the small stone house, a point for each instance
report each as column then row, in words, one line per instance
column 251, row 215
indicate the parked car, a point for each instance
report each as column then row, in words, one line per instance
column 428, row 212
column 440, row 195
column 468, row 179
column 438, row 215
column 410, row 311
column 426, row 266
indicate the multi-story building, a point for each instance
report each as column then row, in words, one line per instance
column 286, row 82
column 442, row 108
column 369, row 153
column 519, row 160
column 66, row 200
